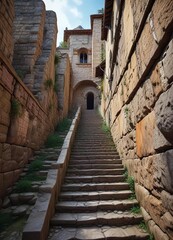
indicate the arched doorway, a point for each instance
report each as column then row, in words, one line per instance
column 90, row 101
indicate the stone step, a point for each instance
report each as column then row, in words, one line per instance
column 93, row 153
column 99, row 233
column 94, row 166
column 94, row 206
column 98, row 156
column 94, row 195
column 95, row 186
column 94, row 179
column 96, row 161
column 91, row 150
column 96, row 218
column 94, row 141
column 89, row 172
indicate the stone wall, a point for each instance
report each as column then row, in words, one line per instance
column 6, row 22
column 24, row 121
column 63, row 75
column 97, row 48
column 35, row 47
column 138, row 103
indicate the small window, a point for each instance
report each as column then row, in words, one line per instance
column 83, row 57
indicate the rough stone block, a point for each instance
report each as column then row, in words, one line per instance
column 167, row 174
column 126, row 37
column 167, row 223
column 162, row 18
column 141, row 195
column 8, row 179
column 3, row 133
column 167, row 62
column 156, row 231
column 164, row 114
column 156, row 81
column 18, row 129
column 8, row 79
column 6, row 152
column 145, row 135
column 20, row 94
column 138, row 10
column 160, row 142
column 167, row 200
column 1, row 185
column 146, row 48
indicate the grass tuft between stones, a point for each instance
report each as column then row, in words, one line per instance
column 54, row 141
column 23, row 185
column 136, row 209
column 63, row 125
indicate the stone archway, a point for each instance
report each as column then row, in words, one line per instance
column 86, row 95
column 90, row 101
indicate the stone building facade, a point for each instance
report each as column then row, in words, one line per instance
column 84, row 51
column 137, row 101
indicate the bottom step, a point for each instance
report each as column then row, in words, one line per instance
column 98, row 233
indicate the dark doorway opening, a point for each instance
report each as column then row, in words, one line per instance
column 90, row 101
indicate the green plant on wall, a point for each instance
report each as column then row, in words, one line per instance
column 55, row 86
column 105, row 128
column 126, row 112
column 21, row 73
column 57, row 58
column 48, row 84
column 101, row 87
column 63, row 45
column 51, row 107
column 15, row 108
column 103, row 52
column 131, row 182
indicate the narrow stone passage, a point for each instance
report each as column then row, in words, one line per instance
column 94, row 201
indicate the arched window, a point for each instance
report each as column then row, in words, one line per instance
column 83, row 57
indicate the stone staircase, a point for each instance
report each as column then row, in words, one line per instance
column 95, row 200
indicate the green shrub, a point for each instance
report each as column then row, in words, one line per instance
column 35, row 165
column 15, row 108
column 136, row 209
column 56, row 60
column 131, row 182
column 5, row 220
column 63, row 45
column 23, row 186
column 48, row 84
column 54, row 141
column 21, row 73
column 63, row 125
column 33, row 177
column 126, row 174
column 105, row 127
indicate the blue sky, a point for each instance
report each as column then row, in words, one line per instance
column 72, row 13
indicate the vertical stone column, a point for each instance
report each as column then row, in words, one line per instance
column 96, row 21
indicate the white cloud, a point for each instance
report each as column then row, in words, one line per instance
column 78, row 2
column 76, row 12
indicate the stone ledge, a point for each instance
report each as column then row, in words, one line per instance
column 37, row 225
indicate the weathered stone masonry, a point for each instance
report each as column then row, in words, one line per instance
column 25, row 121
column 137, row 102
